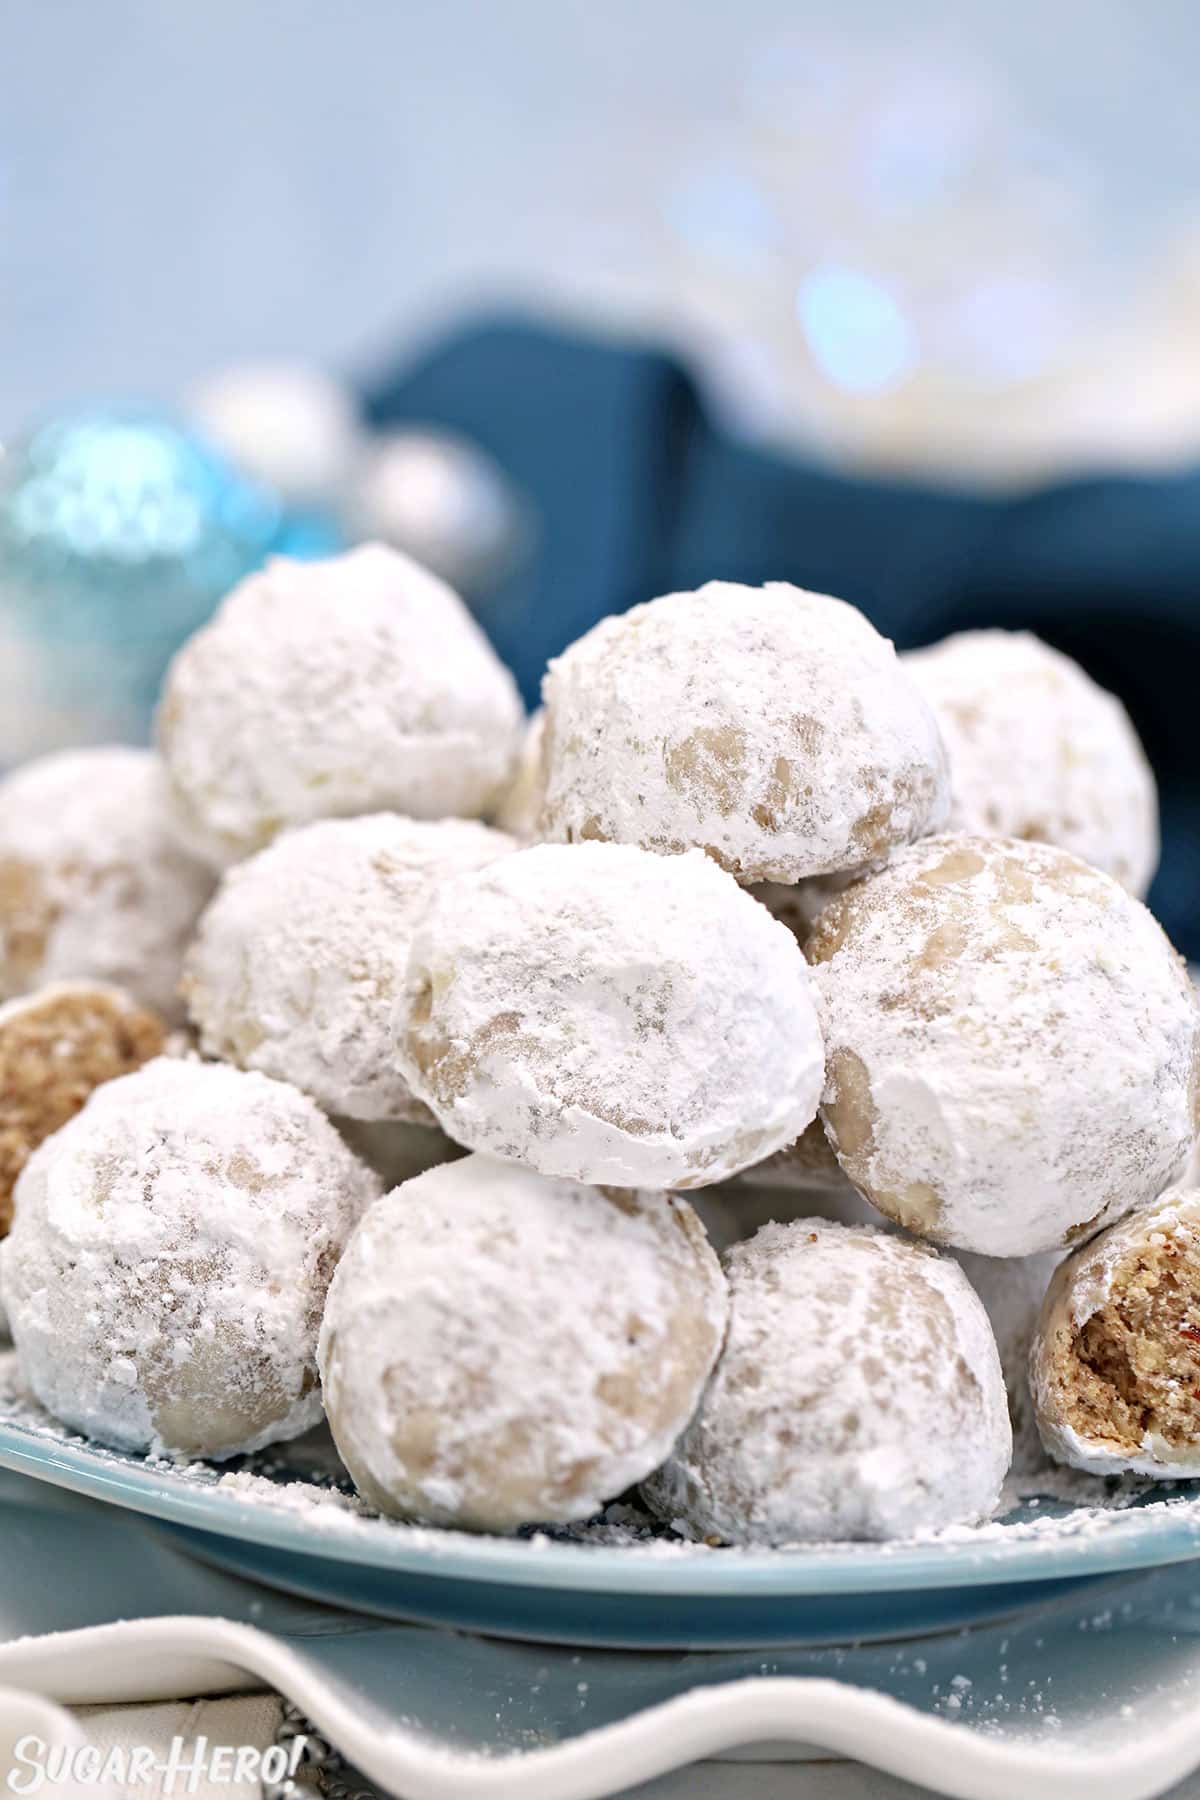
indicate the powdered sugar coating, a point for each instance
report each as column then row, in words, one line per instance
column 92, row 884
column 799, row 1184
column 500, row 1349
column 296, row 962
column 1012, row 1044
column 168, row 1262
column 772, row 727
column 1011, row 1288
column 859, row 1395
column 1039, row 751
column 606, row 1015
column 355, row 685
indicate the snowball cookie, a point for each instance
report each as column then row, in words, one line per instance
column 56, row 1046
column 771, row 727
column 1012, row 1289
column 444, row 500
column 1038, row 751
column 1115, row 1363
column 91, row 882
column 859, row 1395
column 169, row 1257
column 1013, row 1044
column 295, row 963
column 607, row 1015
column 359, row 684
column 499, row 1349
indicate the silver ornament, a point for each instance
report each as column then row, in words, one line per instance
column 441, row 499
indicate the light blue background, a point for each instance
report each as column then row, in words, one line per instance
column 186, row 181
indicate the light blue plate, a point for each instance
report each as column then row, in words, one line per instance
column 652, row 1594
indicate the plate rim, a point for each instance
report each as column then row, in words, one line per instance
column 1125, row 1539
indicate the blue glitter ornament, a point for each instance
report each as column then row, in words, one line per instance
column 119, row 533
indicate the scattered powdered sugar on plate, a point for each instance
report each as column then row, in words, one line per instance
column 304, row 1481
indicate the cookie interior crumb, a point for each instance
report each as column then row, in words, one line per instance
column 53, row 1052
column 1133, row 1368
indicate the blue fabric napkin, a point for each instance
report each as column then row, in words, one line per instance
column 636, row 491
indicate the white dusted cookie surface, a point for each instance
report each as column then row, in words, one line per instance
column 296, row 962
column 607, row 1015
column 167, row 1266
column 771, row 727
column 1012, row 1044
column 858, row 1395
column 359, row 684
column 92, row 883
column 1115, row 1364
column 500, row 1349
column 1039, row 751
